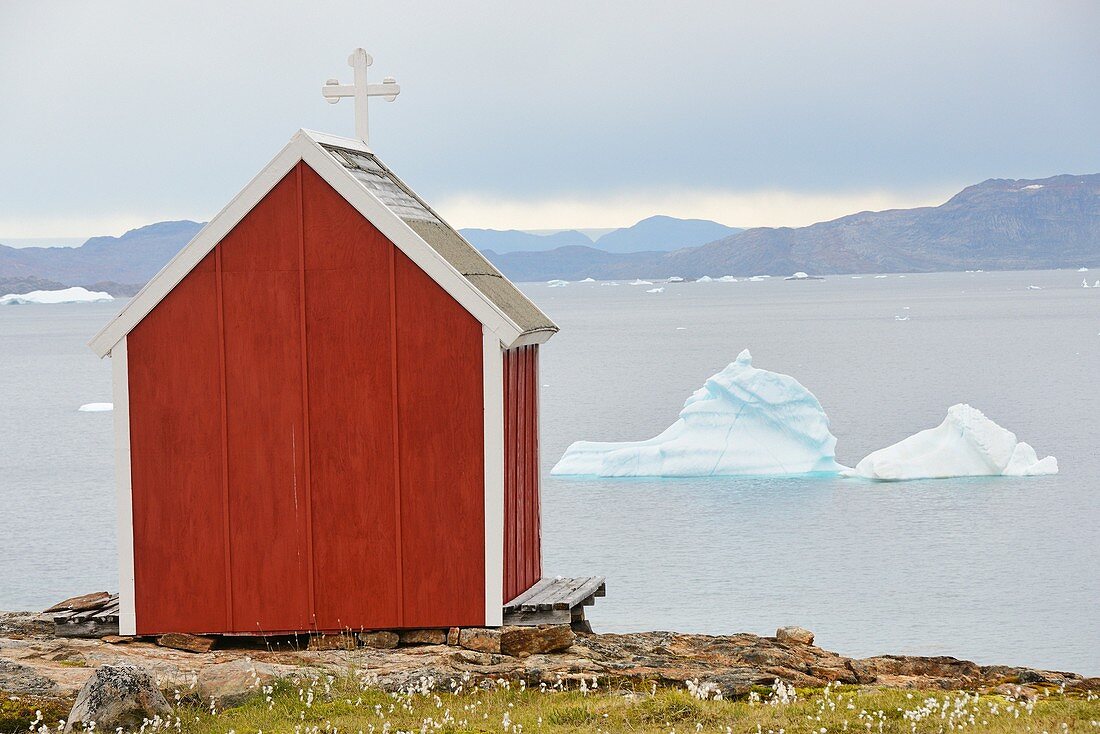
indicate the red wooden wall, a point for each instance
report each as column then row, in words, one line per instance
column 522, row 515
column 306, row 433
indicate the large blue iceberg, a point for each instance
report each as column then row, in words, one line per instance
column 743, row 421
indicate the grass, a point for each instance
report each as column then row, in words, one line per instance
column 330, row 705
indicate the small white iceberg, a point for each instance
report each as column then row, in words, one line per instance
column 880, row 277
column 675, row 279
column 656, row 290
column 96, row 407
column 704, row 279
column 743, row 421
column 1082, row 270
column 966, row 444
column 65, row 295
column 587, row 280
column 639, row 281
column 904, row 317
column 557, row 283
column 727, row 279
column 1034, row 288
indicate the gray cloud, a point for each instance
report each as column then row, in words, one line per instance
column 127, row 111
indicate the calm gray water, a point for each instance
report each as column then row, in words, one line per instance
column 996, row 570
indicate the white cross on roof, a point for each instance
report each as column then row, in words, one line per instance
column 333, row 91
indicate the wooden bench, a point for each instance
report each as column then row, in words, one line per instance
column 555, row 601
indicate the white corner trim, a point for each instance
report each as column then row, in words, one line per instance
column 493, row 376
column 127, row 615
column 305, row 146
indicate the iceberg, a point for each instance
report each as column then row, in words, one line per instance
column 675, row 279
column 1082, row 270
column 557, row 283
column 656, row 290
column 743, row 421
column 96, row 407
column 727, row 279
column 65, row 295
column 966, row 444
column 639, row 281
column 587, row 280
column 705, row 279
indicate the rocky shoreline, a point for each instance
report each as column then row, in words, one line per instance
column 35, row 663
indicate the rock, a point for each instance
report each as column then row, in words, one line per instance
column 423, row 637
column 82, row 603
column 453, row 635
column 232, row 682
column 480, row 639
column 117, row 696
column 117, row 639
column 331, row 642
column 795, row 635
column 524, row 641
column 382, row 640
column 22, row 680
column 186, row 642
column 17, row 625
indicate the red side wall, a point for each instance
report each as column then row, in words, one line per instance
column 522, row 531
column 306, row 433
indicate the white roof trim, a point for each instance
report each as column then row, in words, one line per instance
column 305, row 146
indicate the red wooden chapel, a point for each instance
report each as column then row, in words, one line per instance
column 326, row 414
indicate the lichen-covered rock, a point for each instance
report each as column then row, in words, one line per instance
column 185, row 642
column 23, row 680
column 795, row 635
column 230, row 683
column 331, row 642
column 382, row 640
column 522, row 641
column 19, row 625
column 424, row 637
column 480, row 639
column 117, row 696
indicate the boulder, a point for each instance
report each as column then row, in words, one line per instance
column 186, row 642
column 117, row 639
column 117, row 696
column 424, row 637
column 331, row 642
column 230, row 683
column 381, row 640
column 480, row 639
column 523, row 641
column 453, row 635
column 795, row 635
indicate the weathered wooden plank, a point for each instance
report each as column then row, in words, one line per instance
column 91, row 628
column 545, row 598
column 519, row 600
column 585, row 590
column 544, row 616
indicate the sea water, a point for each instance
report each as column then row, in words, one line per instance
column 998, row 570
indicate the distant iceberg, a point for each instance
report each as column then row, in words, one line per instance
column 656, row 290
column 587, row 280
column 704, row 279
column 65, row 295
column 96, row 407
column 639, row 281
column 557, row 283
column 727, row 279
column 966, row 444
column 675, row 279
column 743, row 421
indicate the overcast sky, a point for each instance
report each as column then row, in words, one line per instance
column 548, row 114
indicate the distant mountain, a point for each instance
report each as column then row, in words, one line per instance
column 664, row 234
column 515, row 240
column 574, row 262
column 999, row 224
column 134, row 257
